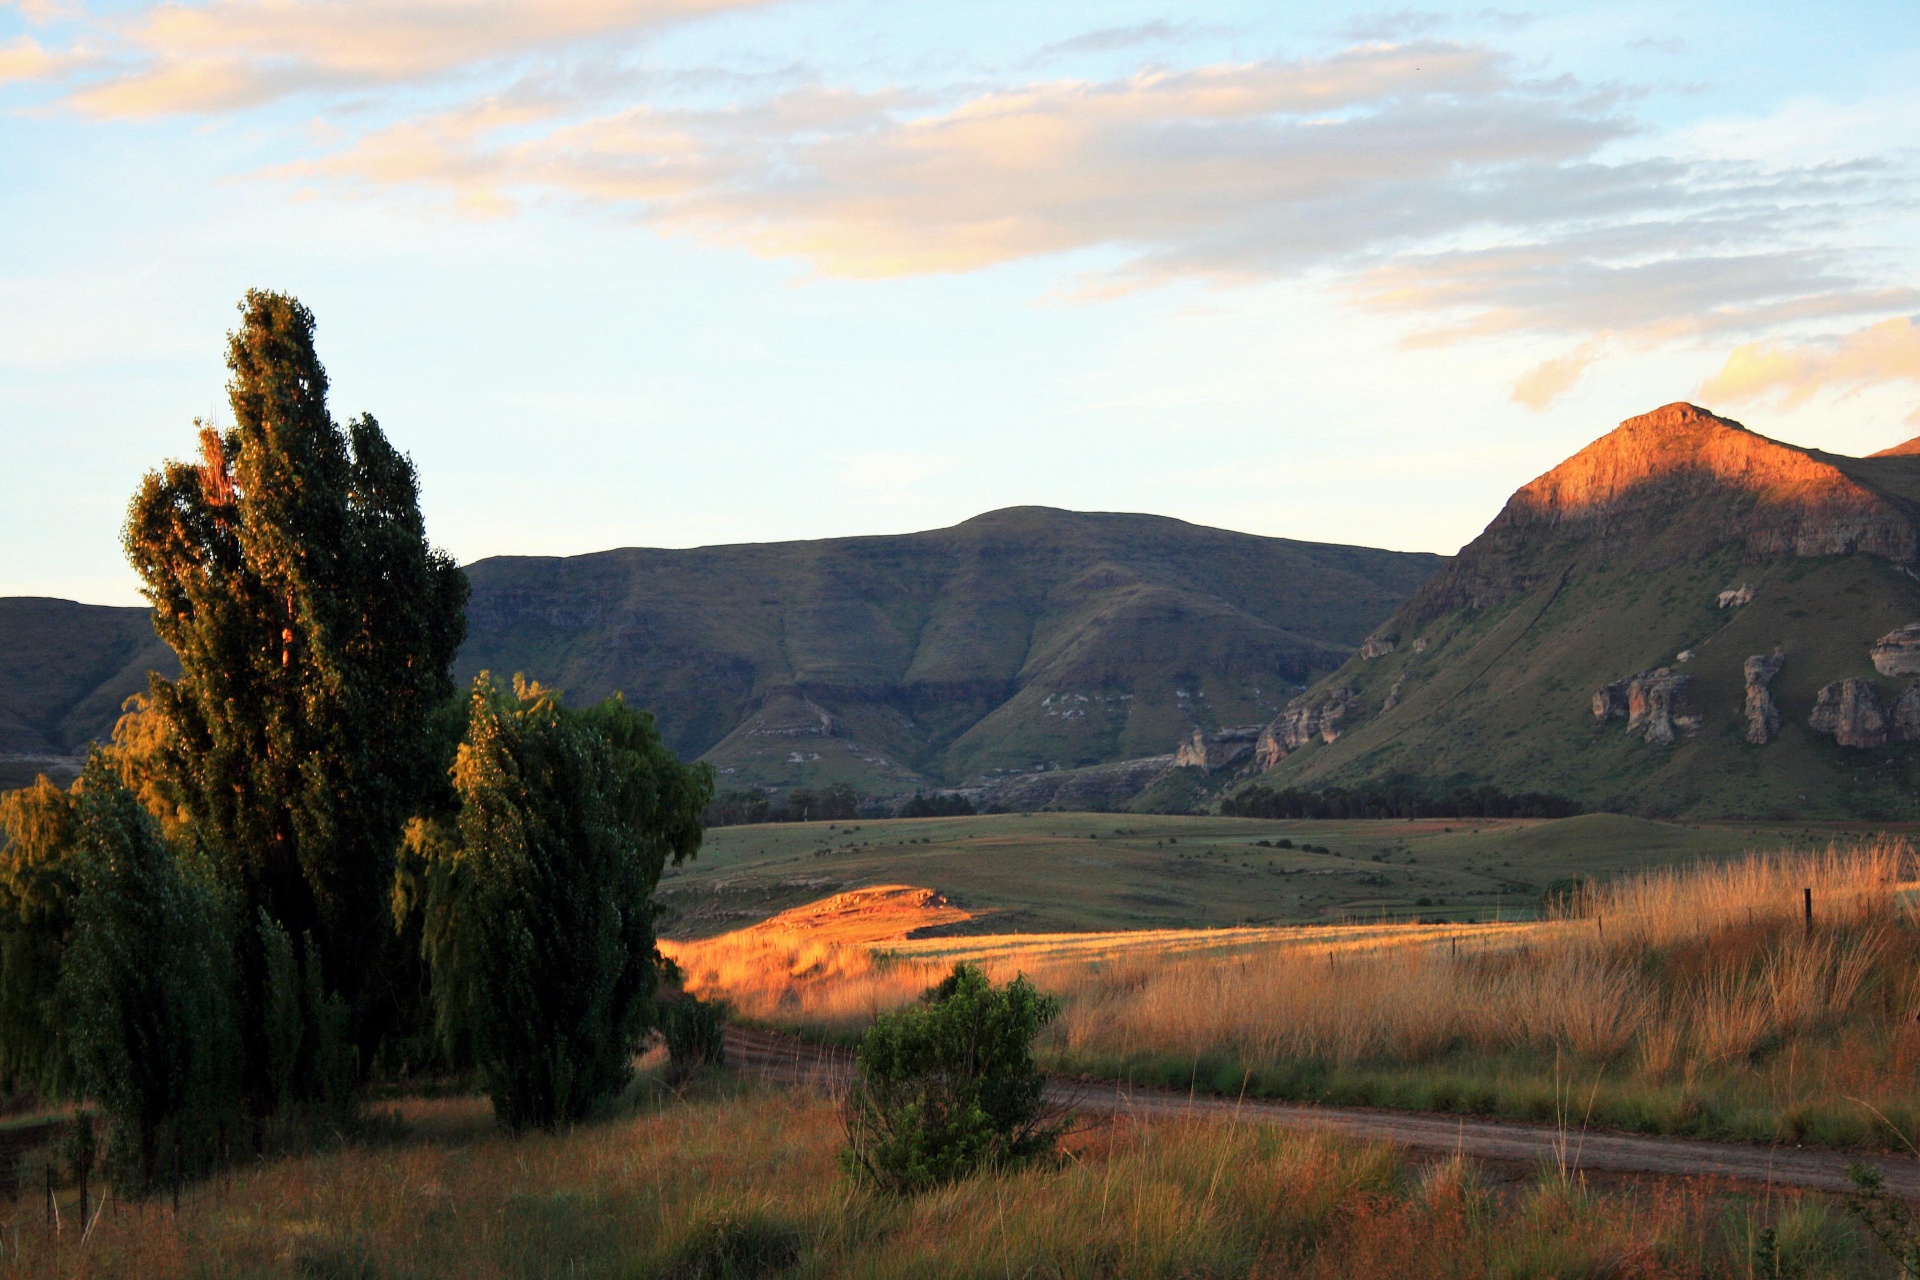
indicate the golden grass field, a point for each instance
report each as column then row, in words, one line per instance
column 733, row 1181
column 1691, row 1000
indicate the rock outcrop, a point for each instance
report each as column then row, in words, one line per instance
column 1734, row 597
column 1849, row 712
column 1217, row 750
column 1376, row 647
column 1763, row 716
column 1300, row 724
column 1658, row 704
column 1665, row 487
column 1897, row 653
column 1904, row 718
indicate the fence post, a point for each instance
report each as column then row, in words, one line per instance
column 1807, row 899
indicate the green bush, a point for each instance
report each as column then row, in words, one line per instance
column 948, row 1087
column 736, row 1246
column 695, row 1036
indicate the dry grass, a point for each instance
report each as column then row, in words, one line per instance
column 1701, row 985
column 748, row 1184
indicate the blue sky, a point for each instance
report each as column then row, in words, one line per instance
column 673, row 272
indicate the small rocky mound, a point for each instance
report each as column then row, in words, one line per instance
column 1658, row 705
column 1897, row 653
column 1300, row 724
column 1217, row 750
column 1763, row 716
column 1851, row 713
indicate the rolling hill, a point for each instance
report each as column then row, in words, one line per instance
column 1650, row 627
column 1023, row 638
column 65, row 668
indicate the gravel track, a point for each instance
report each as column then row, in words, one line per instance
column 785, row 1059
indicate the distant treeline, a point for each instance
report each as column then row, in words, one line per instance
column 1395, row 802
column 836, row 803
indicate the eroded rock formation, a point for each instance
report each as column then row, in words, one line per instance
column 1849, row 712
column 1657, row 704
column 1376, row 647
column 1300, row 724
column 1217, row 750
column 1734, row 597
column 1763, row 716
column 1897, row 653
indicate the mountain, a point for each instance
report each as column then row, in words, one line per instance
column 1023, row 638
column 1684, row 618
column 65, row 668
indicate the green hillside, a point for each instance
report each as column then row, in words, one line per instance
column 1021, row 638
column 65, row 668
column 1495, row 663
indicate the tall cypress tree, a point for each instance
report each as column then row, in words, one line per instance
column 289, row 569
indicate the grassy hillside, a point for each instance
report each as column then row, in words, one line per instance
column 1047, row 872
column 65, row 668
column 1020, row 638
column 1496, row 661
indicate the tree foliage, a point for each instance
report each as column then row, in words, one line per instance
column 145, row 980
column 1395, row 800
column 36, row 923
column 949, row 1086
column 539, row 899
column 289, row 570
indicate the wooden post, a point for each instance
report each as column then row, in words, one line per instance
column 1808, row 900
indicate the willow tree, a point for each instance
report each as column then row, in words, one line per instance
column 290, row 571
column 539, row 910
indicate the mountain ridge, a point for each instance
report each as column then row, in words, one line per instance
column 1653, row 564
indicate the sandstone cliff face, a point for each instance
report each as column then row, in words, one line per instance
column 1897, row 653
column 1678, row 483
column 1763, row 716
column 1300, row 724
column 1658, row 704
column 1217, row 750
column 1849, row 712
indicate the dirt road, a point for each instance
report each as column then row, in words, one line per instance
column 785, row 1059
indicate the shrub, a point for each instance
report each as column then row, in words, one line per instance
column 948, row 1086
column 736, row 1246
column 937, row 806
column 695, row 1036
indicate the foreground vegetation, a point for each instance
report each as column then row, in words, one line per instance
column 1688, row 1002
column 728, row 1181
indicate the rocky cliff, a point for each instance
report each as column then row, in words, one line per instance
column 1743, row 581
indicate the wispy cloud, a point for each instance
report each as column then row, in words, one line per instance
column 239, row 53
column 1427, row 180
column 1794, row 372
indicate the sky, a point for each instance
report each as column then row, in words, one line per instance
column 683, row 272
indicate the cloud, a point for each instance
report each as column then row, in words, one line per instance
column 1109, row 39
column 1794, row 373
column 1547, row 381
column 1230, row 171
column 239, row 53
column 1427, row 180
column 23, row 58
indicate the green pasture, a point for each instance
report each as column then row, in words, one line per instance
column 1049, row 872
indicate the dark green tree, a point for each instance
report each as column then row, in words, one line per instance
column 948, row 1086
column 36, row 923
column 290, row 570
column 539, row 901
column 145, row 979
